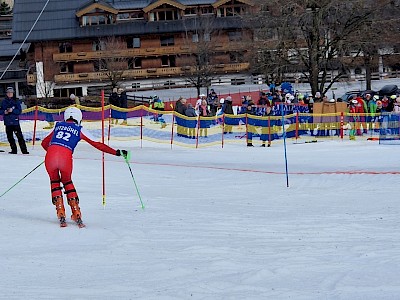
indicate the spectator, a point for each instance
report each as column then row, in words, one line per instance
column 180, row 109
column 372, row 117
column 360, row 109
column 317, row 97
column 11, row 109
column 396, row 115
column 114, row 101
column 243, row 108
column 275, row 99
column 74, row 99
column 191, row 122
column 353, row 118
column 198, row 102
column 204, row 124
column 212, row 101
column 250, row 110
column 264, row 109
column 227, row 109
column 159, row 105
column 264, row 105
column 123, row 101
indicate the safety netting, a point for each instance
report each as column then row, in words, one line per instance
column 143, row 123
column 389, row 128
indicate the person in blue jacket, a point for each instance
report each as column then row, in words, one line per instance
column 11, row 109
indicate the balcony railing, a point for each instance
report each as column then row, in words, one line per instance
column 144, row 52
column 146, row 73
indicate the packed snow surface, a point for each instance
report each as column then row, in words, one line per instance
column 218, row 223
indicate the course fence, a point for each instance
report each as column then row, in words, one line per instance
column 143, row 123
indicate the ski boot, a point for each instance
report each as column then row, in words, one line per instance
column 59, row 204
column 76, row 211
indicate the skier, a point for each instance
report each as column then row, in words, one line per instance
column 60, row 145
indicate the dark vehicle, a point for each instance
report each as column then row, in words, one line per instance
column 353, row 94
column 388, row 90
column 364, row 93
column 346, row 97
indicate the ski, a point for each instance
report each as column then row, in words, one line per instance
column 63, row 223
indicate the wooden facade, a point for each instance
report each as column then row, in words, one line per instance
column 151, row 55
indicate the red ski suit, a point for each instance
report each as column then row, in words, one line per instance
column 60, row 145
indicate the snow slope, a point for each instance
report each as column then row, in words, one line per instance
column 217, row 224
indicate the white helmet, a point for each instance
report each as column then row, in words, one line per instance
column 74, row 114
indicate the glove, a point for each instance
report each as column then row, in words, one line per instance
column 122, row 153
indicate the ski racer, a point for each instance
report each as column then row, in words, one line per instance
column 60, row 145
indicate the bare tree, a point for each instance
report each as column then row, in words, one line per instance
column 199, row 67
column 318, row 39
column 113, row 63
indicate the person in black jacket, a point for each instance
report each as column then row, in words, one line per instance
column 228, row 110
column 114, row 100
column 11, row 109
column 180, row 109
column 250, row 111
column 123, row 102
column 192, row 122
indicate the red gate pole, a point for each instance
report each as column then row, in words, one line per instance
column 102, row 158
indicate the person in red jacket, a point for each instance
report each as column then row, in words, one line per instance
column 60, row 145
column 361, row 108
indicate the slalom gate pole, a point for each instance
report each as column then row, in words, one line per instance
column 284, row 145
column 102, row 157
column 22, row 179
column 133, row 178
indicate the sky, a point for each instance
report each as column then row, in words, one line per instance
column 218, row 223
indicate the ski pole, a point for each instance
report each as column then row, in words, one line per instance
column 133, row 178
column 284, row 145
column 22, row 179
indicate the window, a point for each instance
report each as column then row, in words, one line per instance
column 236, row 57
column 164, row 15
column 135, row 63
column 136, row 85
column 234, row 36
column 96, row 20
column 67, row 91
column 99, row 65
column 207, row 37
column 195, row 38
column 67, row 67
column 98, row 46
column 65, row 47
column 123, row 16
column 207, row 10
column 136, row 15
column 231, row 10
column 133, row 42
column 191, row 11
column 203, row 59
column 168, row 61
column 133, row 15
column 167, row 40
